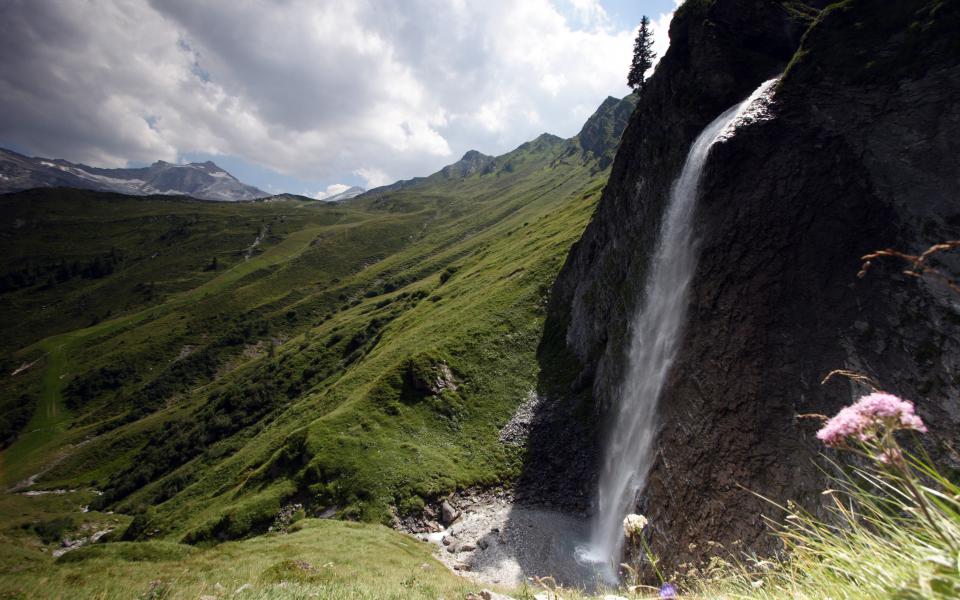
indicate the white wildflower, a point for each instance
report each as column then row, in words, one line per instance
column 633, row 525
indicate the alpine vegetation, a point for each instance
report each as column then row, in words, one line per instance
column 428, row 300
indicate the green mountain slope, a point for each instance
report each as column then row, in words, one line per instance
column 358, row 360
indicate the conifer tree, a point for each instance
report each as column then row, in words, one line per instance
column 643, row 55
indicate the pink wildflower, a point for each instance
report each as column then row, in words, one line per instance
column 890, row 456
column 847, row 423
column 863, row 418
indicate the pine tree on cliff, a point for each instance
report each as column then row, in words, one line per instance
column 643, row 55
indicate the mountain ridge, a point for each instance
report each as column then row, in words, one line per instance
column 203, row 180
column 272, row 344
column 598, row 138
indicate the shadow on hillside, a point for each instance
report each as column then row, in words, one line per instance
column 554, row 492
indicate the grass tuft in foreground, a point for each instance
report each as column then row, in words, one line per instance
column 891, row 530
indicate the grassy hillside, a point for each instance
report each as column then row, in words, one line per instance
column 315, row 559
column 359, row 359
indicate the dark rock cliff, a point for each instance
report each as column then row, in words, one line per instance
column 862, row 153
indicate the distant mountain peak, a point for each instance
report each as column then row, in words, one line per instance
column 608, row 103
column 601, row 133
column 346, row 194
column 472, row 155
column 597, row 140
column 547, row 137
column 204, row 180
column 472, row 162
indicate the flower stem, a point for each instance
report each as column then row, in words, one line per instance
column 895, row 455
column 652, row 558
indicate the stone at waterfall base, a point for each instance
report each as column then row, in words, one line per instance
column 498, row 542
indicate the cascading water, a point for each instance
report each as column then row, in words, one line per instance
column 655, row 337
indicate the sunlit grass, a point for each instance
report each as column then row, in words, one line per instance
column 321, row 559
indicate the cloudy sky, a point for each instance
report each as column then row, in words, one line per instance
column 307, row 96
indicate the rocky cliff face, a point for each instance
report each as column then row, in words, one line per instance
column 862, row 152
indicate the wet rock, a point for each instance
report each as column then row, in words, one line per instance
column 448, row 513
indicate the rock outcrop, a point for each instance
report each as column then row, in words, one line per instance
column 862, row 153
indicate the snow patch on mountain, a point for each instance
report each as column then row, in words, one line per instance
column 205, row 180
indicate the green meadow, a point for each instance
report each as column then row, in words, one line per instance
column 186, row 369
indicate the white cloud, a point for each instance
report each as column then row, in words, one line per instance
column 332, row 190
column 316, row 90
column 373, row 177
column 590, row 12
column 553, row 82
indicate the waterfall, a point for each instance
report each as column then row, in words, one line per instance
column 656, row 333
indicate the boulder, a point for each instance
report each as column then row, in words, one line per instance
column 448, row 513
